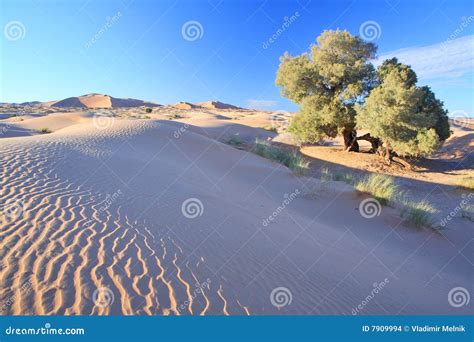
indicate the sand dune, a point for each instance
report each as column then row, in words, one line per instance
column 159, row 217
column 100, row 101
column 217, row 105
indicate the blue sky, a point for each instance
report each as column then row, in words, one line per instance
column 55, row 49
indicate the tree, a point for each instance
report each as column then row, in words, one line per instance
column 327, row 83
column 409, row 120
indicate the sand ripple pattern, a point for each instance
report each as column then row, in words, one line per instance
column 65, row 245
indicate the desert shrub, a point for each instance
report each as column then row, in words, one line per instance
column 418, row 214
column 174, row 116
column 344, row 177
column 235, row 141
column 44, row 130
column 271, row 128
column 381, row 187
column 467, row 183
column 148, row 110
column 13, row 115
column 291, row 159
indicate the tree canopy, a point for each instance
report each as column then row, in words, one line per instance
column 327, row 83
column 338, row 91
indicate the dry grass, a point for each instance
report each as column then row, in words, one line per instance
column 291, row 159
column 381, row 187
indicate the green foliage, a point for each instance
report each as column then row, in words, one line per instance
column 408, row 119
column 467, row 183
column 235, row 141
column 418, row 214
column 271, row 128
column 148, row 110
column 381, row 187
column 291, row 159
column 345, row 177
column 407, row 75
column 327, row 83
column 44, row 130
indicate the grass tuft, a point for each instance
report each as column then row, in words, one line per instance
column 235, row 141
column 467, row 183
column 44, row 130
column 271, row 128
column 348, row 178
column 381, row 187
column 291, row 159
column 418, row 214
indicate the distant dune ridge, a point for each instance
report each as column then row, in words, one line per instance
column 217, row 105
column 96, row 100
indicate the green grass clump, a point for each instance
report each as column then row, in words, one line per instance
column 271, row 129
column 467, row 183
column 344, row 177
column 235, row 141
column 44, row 130
column 418, row 214
column 291, row 159
column 381, row 187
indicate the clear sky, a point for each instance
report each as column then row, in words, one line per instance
column 55, row 49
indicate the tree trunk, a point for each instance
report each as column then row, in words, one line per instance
column 350, row 140
column 375, row 142
column 388, row 157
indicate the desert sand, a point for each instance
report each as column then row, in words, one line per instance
column 169, row 219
